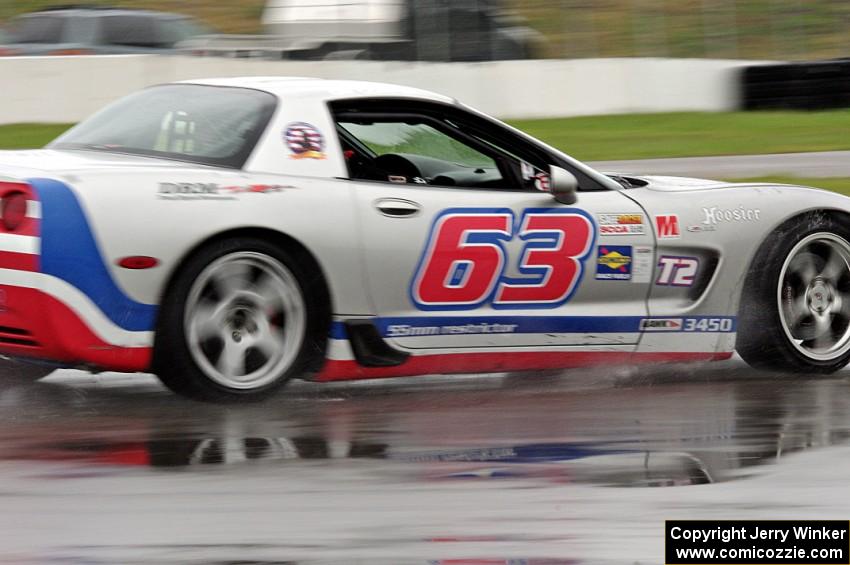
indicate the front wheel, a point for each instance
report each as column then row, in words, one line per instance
column 795, row 311
column 236, row 324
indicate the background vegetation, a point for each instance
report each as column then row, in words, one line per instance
column 747, row 29
column 632, row 136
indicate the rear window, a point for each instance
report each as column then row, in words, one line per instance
column 36, row 29
column 200, row 124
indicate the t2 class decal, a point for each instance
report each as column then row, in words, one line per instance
column 677, row 271
column 465, row 258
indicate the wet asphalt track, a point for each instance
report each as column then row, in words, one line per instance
column 536, row 468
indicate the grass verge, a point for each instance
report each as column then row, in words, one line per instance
column 27, row 136
column 638, row 136
column 840, row 185
column 635, row 136
column 692, row 134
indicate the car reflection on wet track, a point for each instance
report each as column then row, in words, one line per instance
column 478, row 469
column 634, row 431
column 622, row 467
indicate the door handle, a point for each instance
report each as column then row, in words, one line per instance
column 397, row 207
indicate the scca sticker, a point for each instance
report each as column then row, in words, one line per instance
column 304, row 141
column 614, row 263
column 464, row 261
column 621, row 224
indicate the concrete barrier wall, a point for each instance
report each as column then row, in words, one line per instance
column 67, row 89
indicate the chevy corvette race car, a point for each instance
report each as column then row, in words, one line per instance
column 232, row 234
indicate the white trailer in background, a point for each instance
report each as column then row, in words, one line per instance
column 421, row 30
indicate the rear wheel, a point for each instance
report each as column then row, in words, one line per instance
column 236, row 324
column 795, row 313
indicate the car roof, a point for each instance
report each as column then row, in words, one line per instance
column 323, row 89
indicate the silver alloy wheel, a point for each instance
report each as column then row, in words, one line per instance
column 814, row 296
column 245, row 320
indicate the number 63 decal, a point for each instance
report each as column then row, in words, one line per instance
column 464, row 261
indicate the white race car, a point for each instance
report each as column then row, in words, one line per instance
column 232, row 234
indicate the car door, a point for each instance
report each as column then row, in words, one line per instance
column 463, row 245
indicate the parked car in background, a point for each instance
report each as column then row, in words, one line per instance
column 90, row 30
column 400, row 30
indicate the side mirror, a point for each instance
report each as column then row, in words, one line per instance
column 563, row 185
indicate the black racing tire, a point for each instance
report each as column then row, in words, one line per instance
column 238, row 305
column 795, row 307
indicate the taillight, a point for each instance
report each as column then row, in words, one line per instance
column 14, row 210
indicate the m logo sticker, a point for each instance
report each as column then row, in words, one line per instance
column 667, row 226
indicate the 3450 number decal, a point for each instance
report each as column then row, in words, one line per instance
column 464, row 262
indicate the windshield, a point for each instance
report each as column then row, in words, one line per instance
column 209, row 125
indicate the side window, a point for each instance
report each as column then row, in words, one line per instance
column 424, row 142
column 403, row 141
column 419, row 150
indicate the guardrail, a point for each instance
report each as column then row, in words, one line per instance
column 67, row 89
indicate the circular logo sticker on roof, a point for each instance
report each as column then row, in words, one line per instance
column 304, row 140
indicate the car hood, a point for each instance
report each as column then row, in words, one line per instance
column 684, row 184
column 32, row 162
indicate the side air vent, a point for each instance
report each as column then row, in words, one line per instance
column 369, row 347
column 16, row 336
column 705, row 276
